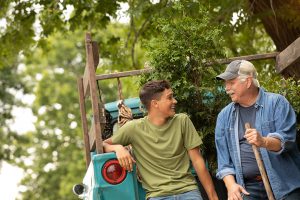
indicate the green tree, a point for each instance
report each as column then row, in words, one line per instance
column 55, row 148
column 185, row 35
column 181, row 54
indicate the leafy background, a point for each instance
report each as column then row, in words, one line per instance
column 43, row 53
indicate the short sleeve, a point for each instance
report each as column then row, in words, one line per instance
column 123, row 136
column 190, row 135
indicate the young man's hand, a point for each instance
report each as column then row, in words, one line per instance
column 125, row 159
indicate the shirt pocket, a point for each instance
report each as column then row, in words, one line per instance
column 268, row 127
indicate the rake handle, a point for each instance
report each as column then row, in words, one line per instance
column 262, row 169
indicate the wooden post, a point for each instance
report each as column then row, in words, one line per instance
column 288, row 56
column 84, row 122
column 93, row 93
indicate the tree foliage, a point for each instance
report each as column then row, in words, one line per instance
column 180, row 38
column 55, row 150
column 50, row 157
column 181, row 54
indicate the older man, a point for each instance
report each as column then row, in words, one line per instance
column 273, row 130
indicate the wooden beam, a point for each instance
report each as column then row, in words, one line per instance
column 84, row 122
column 289, row 56
column 123, row 74
column 85, row 80
column 220, row 61
column 86, row 69
column 92, row 139
column 93, row 93
column 262, row 56
column 95, row 54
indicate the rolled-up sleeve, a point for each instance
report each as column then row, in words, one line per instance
column 285, row 124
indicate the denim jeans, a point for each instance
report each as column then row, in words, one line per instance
column 191, row 195
column 294, row 195
column 257, row 192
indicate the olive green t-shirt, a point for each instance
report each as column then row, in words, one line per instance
column 161, row 153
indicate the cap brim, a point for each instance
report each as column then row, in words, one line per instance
column 226, row 76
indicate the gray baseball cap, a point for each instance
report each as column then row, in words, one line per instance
column 236, row 68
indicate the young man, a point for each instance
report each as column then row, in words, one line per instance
column 163, row 143
column 273, row 130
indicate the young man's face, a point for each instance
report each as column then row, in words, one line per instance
column 235, row 88
column 166, row 104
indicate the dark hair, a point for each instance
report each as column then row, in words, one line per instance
column 152, row 90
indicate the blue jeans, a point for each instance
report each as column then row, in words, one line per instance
column 191, row 195
column 257, row 192
column 294, row 195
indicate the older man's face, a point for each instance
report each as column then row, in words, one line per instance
column 236, row 88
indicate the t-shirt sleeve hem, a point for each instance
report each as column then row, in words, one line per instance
column 197, row 144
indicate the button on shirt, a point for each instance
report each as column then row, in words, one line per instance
column 274, row 118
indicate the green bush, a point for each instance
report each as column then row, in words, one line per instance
column 290, row 88
column 180, row 54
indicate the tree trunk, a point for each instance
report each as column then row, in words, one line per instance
column 282, row 23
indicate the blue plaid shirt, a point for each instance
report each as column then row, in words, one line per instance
column 274, row 118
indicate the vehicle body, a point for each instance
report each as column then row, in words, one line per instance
column 105, row 178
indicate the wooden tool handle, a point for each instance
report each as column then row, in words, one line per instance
column 262, row 169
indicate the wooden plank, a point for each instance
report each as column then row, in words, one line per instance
column 93, row 94
column 123, row 74
column 86, row 86
column 289, row 56
column 95, row 54
column 220, row 61
column 86, row 69
column 84, row 122
column 263, row 56
column 92, row 139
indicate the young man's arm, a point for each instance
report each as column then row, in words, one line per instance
column 202, row 172
column 123, row 155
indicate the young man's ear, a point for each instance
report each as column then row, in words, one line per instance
column 154, row 103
